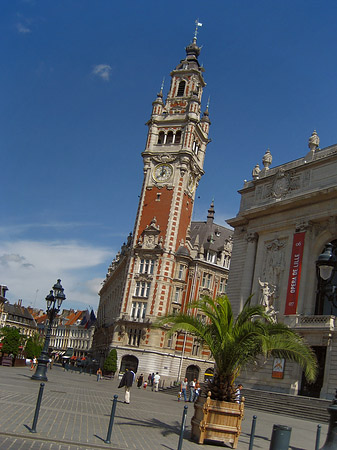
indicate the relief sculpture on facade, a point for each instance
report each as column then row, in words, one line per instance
column 274, row 263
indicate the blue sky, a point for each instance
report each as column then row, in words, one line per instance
column 77, row 81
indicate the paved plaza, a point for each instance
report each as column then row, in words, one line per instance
column 75, row 414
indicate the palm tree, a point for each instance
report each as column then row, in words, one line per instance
column 236, row 343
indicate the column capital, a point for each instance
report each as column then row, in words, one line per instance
column 252, row 236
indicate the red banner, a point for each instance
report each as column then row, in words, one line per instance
column 294, row 273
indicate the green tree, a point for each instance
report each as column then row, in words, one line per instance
column 110, row 363
column 236, row 343
column 11, row 340
column 34, row 346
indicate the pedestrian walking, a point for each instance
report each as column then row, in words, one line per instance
column 152, row 379
column 196, row 391
column 126, row 382
column 149, row 378
column 140, row 381
column 99, row 374
column 183, row 388
column 192, row 389
column 156, row 379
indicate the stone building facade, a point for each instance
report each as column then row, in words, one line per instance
column 167, row 261
column 287, row 215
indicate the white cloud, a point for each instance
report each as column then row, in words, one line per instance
column 103, row 71
column 22, row 28
column 30, row 268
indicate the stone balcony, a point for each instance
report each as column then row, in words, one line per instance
column 327, row 323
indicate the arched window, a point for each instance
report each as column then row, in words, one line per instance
column 181, row 89
column 169, row 138
column 177, row 137
column 161, row 137
column 195, row 147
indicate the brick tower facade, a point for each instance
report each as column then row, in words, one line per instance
column 154, row 273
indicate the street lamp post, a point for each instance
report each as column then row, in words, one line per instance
column 54, row 301
column 326, row 268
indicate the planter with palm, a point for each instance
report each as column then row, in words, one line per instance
column 238, row 342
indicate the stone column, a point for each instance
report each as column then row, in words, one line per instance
column 249, row 267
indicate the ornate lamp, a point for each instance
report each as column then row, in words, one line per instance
column 54, row 301
column 326, row 268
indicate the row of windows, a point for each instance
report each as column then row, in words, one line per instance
column 169, row 138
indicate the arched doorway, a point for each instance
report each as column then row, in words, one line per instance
column 129, row 362
column 209, row 373
column 192, row 372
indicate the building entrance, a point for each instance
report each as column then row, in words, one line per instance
column 192, row 372
column 129, row 362
column 314, row 389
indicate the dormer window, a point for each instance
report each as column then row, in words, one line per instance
column 181, row 89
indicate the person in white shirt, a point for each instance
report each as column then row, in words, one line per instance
column 192, row 389
column 156, row 382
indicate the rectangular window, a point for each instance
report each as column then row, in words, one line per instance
column 181, row 271
column 196, row 348
column 142, row 289
column 134, row 336
column 138, row 310
column 222, row 286
column 226, row 261
column 177, row 295
column 146, row 266
column 206, row 280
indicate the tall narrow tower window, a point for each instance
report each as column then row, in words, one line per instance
column 169, row 138
column 161, row 137
column 181, row 89
column 177, row 137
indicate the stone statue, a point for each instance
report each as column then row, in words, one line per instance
column 255, row 172
column 267, row 159
column 267, row 293
column 313, row 141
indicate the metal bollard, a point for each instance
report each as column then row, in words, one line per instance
column 112, row 416
column 318, row 437
column 280, row 438
column 37, row 409
column 182, row 429
column 252, row 433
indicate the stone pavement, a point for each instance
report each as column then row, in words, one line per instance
column 75, row 414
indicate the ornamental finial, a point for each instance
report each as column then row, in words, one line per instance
column 197, row 25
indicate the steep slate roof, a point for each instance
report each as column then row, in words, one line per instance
column 208, row 234
column 17, row 310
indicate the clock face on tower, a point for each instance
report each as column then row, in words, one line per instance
column 162, row 172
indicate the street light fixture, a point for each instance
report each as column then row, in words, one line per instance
column 326, row 269
column 326, row 265
column 54, row 301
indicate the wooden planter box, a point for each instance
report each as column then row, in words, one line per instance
column 217, row 421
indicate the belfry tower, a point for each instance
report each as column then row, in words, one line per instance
column 153, row 274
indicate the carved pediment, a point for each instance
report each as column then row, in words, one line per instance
column 149, row 238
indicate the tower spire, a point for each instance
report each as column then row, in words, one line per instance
column 197, row 25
